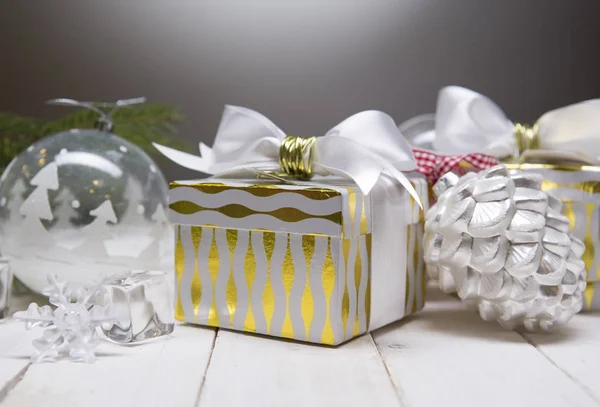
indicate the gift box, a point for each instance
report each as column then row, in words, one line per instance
column 314, row 261
column 578, row 187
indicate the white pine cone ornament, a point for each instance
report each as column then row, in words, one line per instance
column 507, row 248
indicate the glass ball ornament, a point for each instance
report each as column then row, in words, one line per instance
column 83, row 204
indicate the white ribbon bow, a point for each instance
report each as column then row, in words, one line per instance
column 361, row 148
column 468, row 122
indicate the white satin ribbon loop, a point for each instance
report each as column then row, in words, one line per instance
column 419, row 131
column 574, row 128
column 468, row 122
column 361, row 148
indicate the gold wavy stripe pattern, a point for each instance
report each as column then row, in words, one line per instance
column 196, row 288
column 238, row 211
column 320, row 308
column 179, row 269
column 265, row 190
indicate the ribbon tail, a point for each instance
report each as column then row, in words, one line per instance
column 403, row 180
column 186, row 160
column 365, row 181
column 205, row 151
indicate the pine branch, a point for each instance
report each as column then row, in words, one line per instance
column 12, row 124
column 16, row 134
column 139, row 124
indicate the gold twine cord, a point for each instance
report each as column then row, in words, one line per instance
column 528, row 137
column 292, row 155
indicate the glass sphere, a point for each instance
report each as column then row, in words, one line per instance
column 83, row 204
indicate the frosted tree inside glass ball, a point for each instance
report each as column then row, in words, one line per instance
column 83, row 204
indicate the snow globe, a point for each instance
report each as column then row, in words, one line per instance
column 83, row 204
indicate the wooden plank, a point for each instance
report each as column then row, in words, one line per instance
column 164, row 372
column 574, row 349
column 447, row 355
column 251, row 370
column 13, row 338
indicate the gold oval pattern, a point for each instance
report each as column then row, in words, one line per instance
column 352, row 207
column 588, row 295
column 213, row 269
column 196, row 287
column 231, row 290
column 357, row 278
column 328, row 279
column 590, row 251
column 179, row 269
column 363, row 217
column 308, row 302
column 569, row 212
column 368, row 290
column 346, row 243
column 250, row 273
column 287, row 276
column 268, row 293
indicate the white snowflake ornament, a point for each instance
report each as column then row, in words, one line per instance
column 71, row 326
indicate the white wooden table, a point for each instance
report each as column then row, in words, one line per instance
column 443, row 356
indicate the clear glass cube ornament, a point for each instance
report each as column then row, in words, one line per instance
column 143, row 300
column 5, row 287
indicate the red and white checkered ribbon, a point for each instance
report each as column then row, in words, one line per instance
column 433, row 166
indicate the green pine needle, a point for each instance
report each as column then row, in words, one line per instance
column 139, row 124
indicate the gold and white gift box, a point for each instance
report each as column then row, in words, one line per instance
column 321, row 261
column 315, row 261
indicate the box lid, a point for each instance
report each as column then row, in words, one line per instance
column 327, row 206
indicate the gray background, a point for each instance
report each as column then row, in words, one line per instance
column 306, row 65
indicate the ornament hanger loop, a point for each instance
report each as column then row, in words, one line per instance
column 104, row 109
